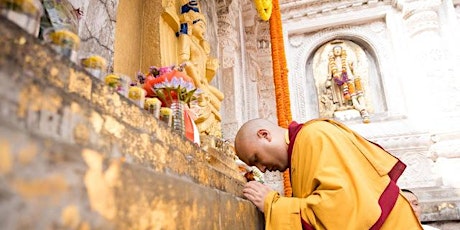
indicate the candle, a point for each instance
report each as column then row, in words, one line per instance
column 153, row 105
column 166, row 115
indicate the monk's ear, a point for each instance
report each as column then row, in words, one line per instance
column 263, row 133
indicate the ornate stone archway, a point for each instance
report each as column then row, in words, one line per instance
column 304, row 46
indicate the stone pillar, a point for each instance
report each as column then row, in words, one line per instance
column 426, row 61
column 267, row 98
column 231, row 61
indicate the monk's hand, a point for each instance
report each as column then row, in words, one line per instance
column 256, row 193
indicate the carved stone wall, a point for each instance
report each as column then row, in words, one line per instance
column 231, row 60
column 413, row 44
column 97, row 28
column 75, row 155
column 246, row 71
column 246, row 65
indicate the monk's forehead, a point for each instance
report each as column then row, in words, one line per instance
column 242, row 149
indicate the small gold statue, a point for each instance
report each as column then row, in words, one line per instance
column 194, row 51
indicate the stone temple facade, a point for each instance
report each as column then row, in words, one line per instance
column 407, row 55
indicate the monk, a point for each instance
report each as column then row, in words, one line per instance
column 413, row 200
column 339, row 179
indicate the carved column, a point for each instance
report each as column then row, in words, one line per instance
column 231, row 74
column 432, row 84
column 265, row 83
column 426, row 59
column 252, row 69
column 421, row 16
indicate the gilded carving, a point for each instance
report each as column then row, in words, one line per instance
column 194, row 50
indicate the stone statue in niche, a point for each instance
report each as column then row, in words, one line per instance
column 342, row 95
column 194, row 51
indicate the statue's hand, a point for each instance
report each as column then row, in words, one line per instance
column 328, row 84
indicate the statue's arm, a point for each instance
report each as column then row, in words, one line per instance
column 184, row 48
column 352, row 67
column 329, row 74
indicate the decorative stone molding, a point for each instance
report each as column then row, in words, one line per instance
column 208, row 8
column 446, row 145
column 420, row 170
column 439, row 204
column 410, row 145
column 421, row 16
column 228, row 40
column 317, row 8
column 263, row 39
column 234, row 63
column 249, row 13
column 395, row 136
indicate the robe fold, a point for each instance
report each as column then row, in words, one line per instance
column 339, row 181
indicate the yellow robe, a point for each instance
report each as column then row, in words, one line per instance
column 339, row 181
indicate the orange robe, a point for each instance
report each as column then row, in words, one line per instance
column 339, row 181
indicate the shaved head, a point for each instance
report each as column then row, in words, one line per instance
column 250, row 128
column 260, row 143
column 248, row 132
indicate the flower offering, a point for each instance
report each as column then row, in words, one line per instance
column 168, row 84
column 64, row 42
column 153, row 105
column 118, row 82
column 250, row 173
column 166, row 115
column 96, row 65
column 137, row 95
column 174, row 90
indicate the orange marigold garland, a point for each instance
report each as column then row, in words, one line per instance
column 280, row 76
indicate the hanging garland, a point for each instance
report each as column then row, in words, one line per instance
column 341, row 78
column 264, row 8
column 280, row 76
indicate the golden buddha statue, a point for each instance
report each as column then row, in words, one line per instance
column 343, row 84
column 194, row 51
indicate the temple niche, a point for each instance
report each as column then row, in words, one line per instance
column 341, row 72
